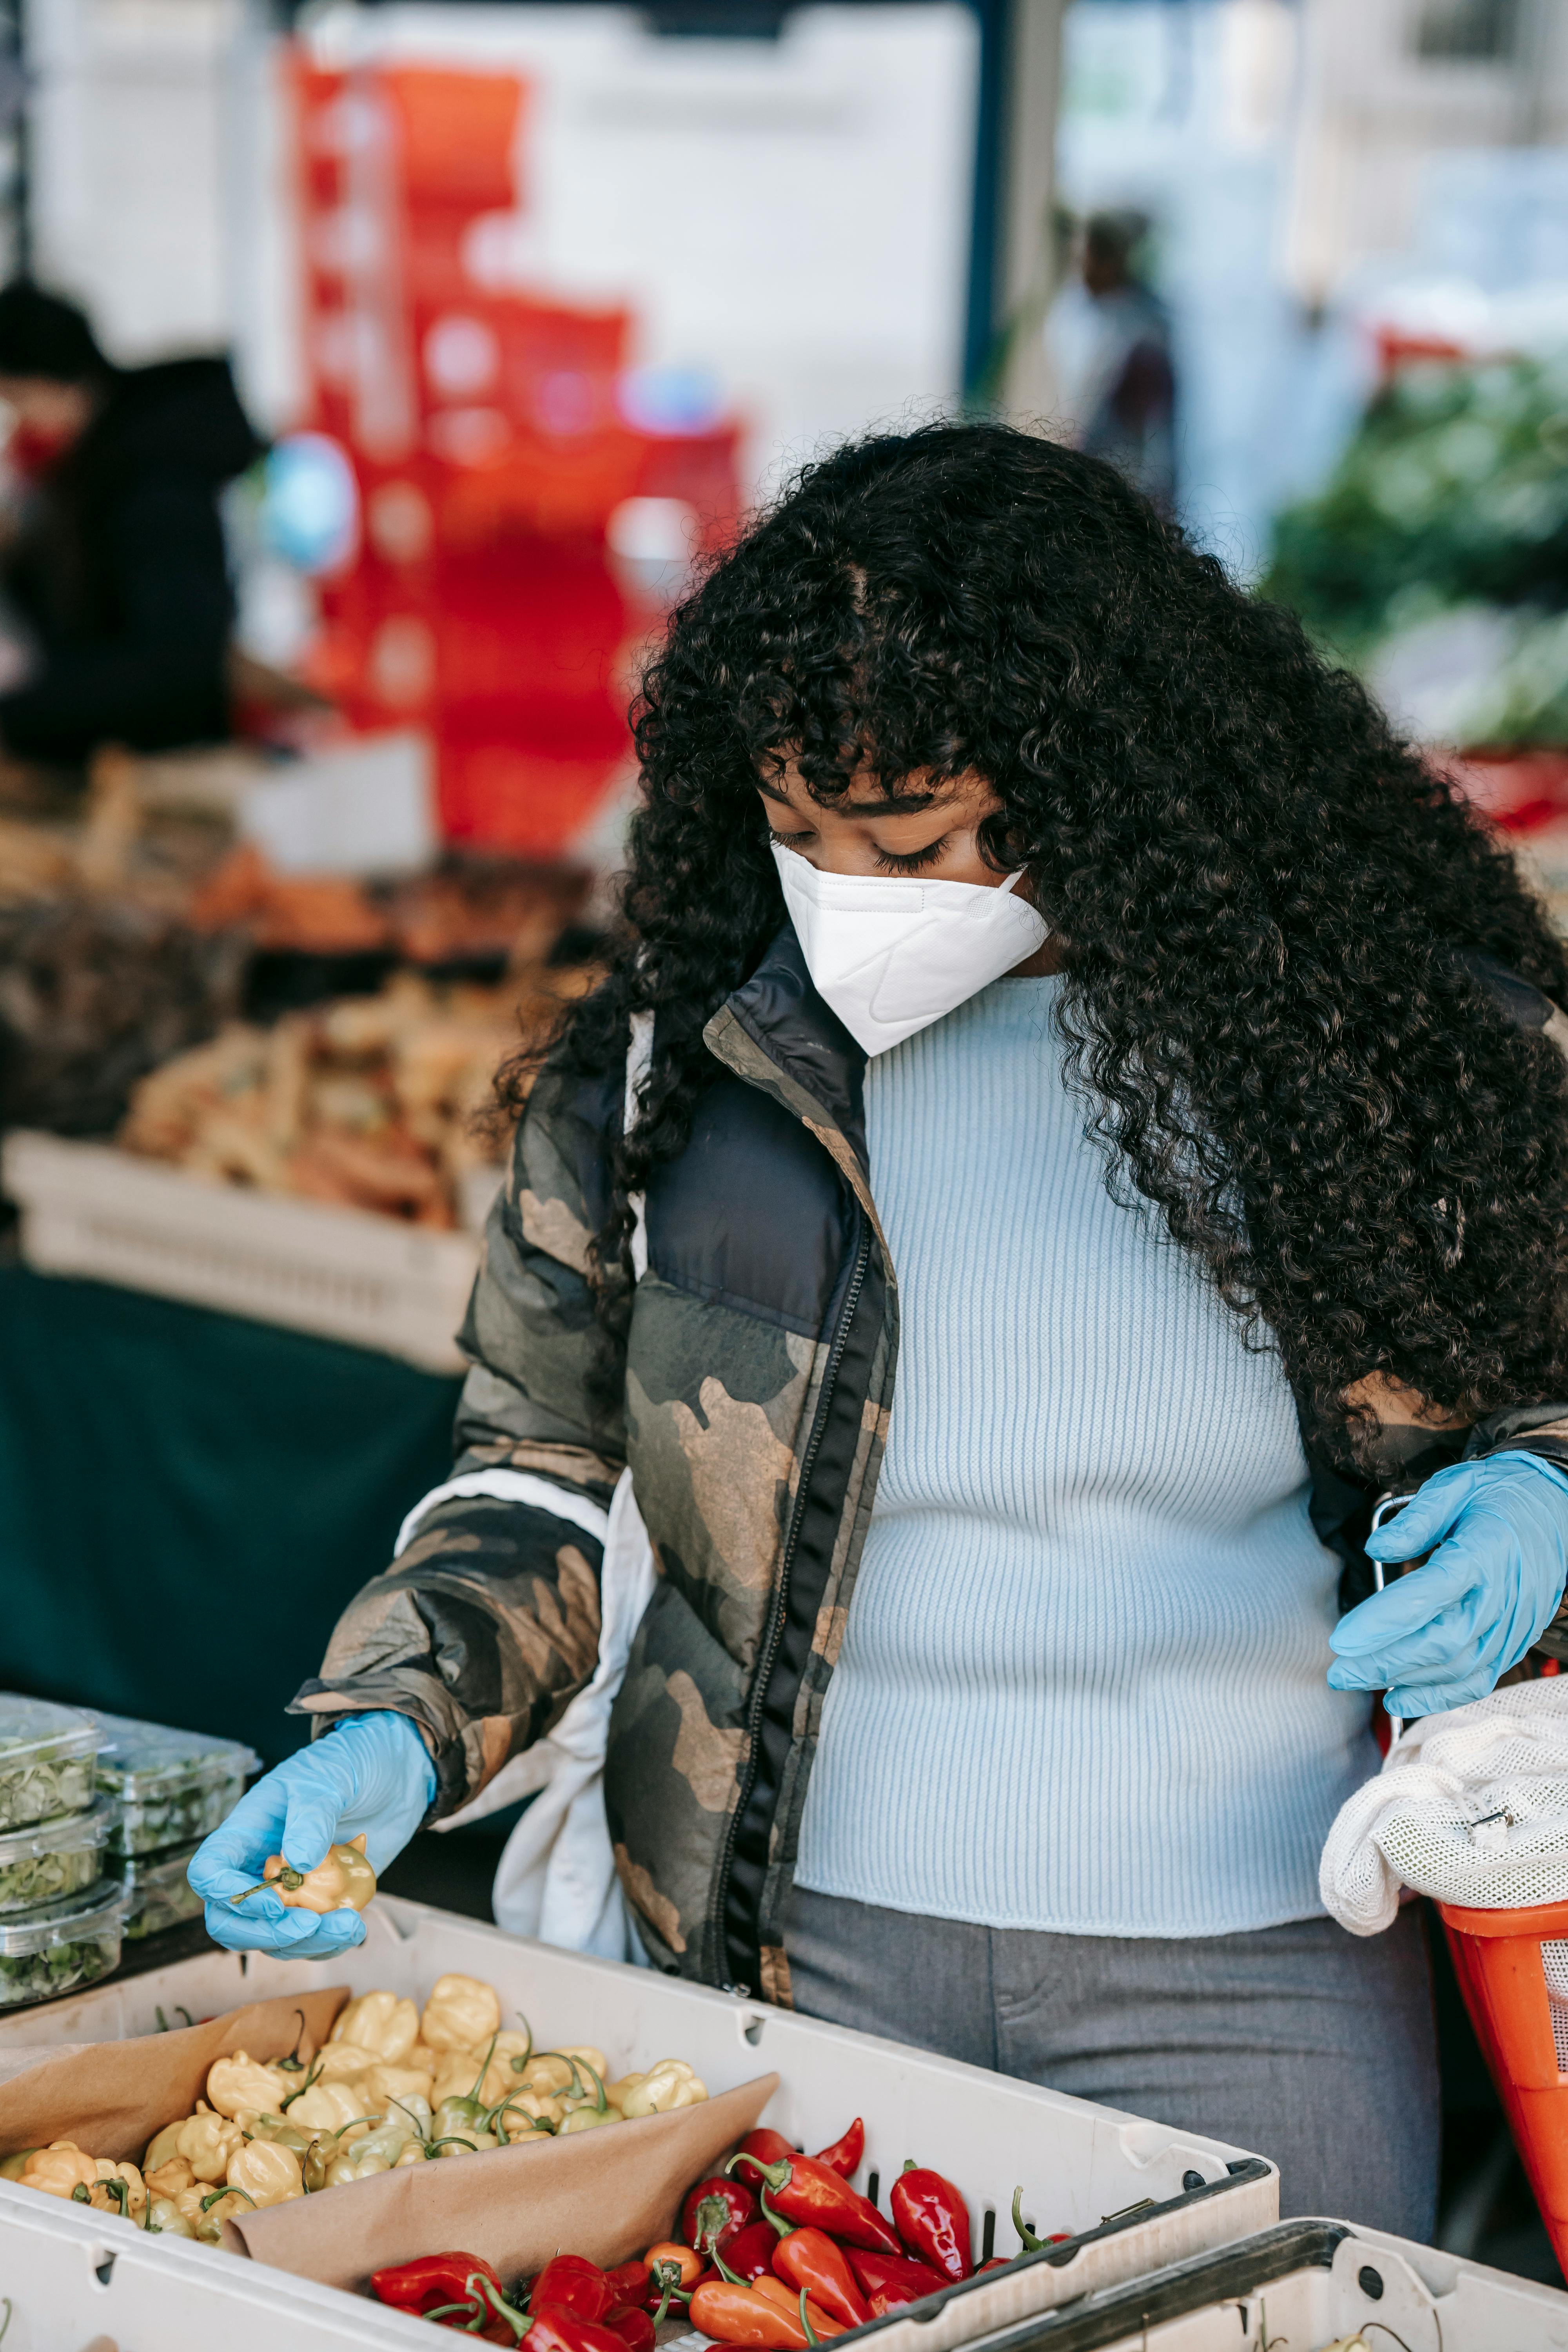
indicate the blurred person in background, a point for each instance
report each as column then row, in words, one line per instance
column 112, row 545
column 1109, row 339
column 1074, row 1113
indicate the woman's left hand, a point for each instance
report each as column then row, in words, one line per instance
column 1442, row 1635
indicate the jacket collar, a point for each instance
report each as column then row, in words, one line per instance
column 776, row 1033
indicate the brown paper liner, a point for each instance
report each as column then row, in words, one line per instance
column 112, row 2096
column 608, row 2194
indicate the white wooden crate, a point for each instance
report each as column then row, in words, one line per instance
column 343, row 1274
column 1077, row 2163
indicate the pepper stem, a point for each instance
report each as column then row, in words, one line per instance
column 293, row 2063
column 207, row 2202
column 485, row 2063
column 314, row 2075
column 523, row 2059
column 487, row 2293
column 668, row 2273
column 1026, row 2238
column 811, row 2334
column 287, row 1877
column 780, row 2224
column 723, row 2267
column 774, row 2176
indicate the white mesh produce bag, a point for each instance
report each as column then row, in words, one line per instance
column 1470, row 1807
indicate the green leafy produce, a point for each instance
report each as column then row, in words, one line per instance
column 1455, row 489
column 158, row 1894
column 45, row 1877
column 57, row 1969
column 35, row 1789
column 174, row 1786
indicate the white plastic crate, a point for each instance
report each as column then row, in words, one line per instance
column 1308, row 2284
column 1077, row 2163
column 343, row 1274
column 75, row 2282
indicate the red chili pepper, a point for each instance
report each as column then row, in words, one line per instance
column 714, row 2211
column 739, row 2315
column 932, row 2219
column 888, row 2280
column 750, row 2252
column 809, row 2259
column 808, row 2194
column 632, row 2325
column 572, row 2283
column 844, row 2156
column 556, row 2330
column 763, row 2147
column 631, row 2281
column 440, row 2283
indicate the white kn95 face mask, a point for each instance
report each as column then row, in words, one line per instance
column 891, row 954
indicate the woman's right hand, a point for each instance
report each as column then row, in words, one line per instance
column 370, row 1773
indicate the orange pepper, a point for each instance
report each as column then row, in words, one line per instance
column 688, row 2263
column 739, row 2315
column 787, row 2298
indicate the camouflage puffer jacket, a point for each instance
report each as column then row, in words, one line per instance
column 759, row 1378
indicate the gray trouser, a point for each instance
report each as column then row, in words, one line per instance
column 1301, row 2044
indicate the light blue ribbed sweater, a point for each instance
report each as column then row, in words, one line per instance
column 1082, row 1681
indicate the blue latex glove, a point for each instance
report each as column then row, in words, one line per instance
column 373, row 1774
column 1440, row 1636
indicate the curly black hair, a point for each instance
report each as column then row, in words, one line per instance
column 1266, row 901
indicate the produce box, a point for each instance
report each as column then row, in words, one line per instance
column 1135, row 2195
column 171, row 1787
column 1312, row 2285
column 344, row 1274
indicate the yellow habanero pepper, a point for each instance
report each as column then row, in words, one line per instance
column 59, row 2169
column 164, row 2145
column 344, row 1881
column 268, row 2173
column 461, row 2014
column 13, row 2166
column 168, row 2178
column 381, row 2023
column 385, row 2085
column 327, row 2107
column 343, row 2061
column 668, row 2084
column 119, row 2190
column 206, row 2142
column 164, row 2218
column 241, row 2081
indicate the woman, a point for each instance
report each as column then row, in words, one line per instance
column 995, row 1714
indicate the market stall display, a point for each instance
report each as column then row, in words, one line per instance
column 613, row 2196
column 374, row 1103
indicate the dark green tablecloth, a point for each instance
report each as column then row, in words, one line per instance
column 187, row 1499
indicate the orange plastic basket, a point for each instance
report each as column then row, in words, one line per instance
column 1525, row 2037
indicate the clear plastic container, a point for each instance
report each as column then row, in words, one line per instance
column 61, row 1947
column 46, row 1760
column 51, row 1860
column 158, row 1894
column 173, row 1786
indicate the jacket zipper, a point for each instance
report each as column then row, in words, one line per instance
column 774, row 1634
